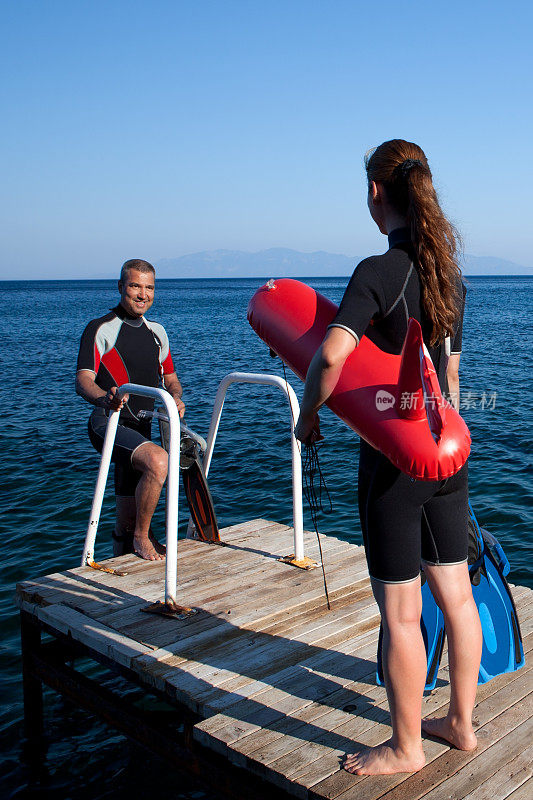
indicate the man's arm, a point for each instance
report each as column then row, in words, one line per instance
column 87, row 388
column 452, row 374
column 322, row 377
column 173, row 387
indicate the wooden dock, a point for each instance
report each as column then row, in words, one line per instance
column 273, row 687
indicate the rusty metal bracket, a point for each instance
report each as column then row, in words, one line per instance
column 95, row 565
column 171, row 610
column 301, row 563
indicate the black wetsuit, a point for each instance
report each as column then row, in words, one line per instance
column 404, row 521
column 122, row 349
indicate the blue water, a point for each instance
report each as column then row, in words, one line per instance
column 48, row 469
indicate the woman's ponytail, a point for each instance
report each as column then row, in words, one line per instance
column 403, row 170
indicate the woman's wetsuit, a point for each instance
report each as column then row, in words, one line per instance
column 404, row 521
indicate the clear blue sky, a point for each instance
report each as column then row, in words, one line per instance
column 154, row 129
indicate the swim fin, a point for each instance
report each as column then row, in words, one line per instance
column 432, row 626
column 194, row 481
column 502, row 641
column 197, row 492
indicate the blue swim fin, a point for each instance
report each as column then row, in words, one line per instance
column 502, row 641
column 432, row 626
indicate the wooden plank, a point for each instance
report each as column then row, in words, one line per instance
column 87, row 631
column 88, row 595
column 493, row 711
column 223, row 731
column 491, row 700
column 280, row 669
column 486, row 763
column 377, row 694
column 510, row 777
column 525, row 792
column 222, row 663
column 258, row 613
column 139, row 571
column 310, row 656
column 247, row 729
column 202, row 675
column 307, row 632
column 239, row 586
column 374, row 787
column 355, row 687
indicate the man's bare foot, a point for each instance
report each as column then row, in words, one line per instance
column 383, row 760
column 145, row 549
column 460, row 735
column 159, row 547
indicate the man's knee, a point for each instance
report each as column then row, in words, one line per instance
column 153, row 459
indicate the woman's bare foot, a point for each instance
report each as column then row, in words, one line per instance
column 460, row 735
column 383, row 760
column 146, row 549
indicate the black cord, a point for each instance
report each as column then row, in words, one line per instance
column 313, row 494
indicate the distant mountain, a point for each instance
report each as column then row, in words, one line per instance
column 491, row 265
column 282, row 262
column 279, row 261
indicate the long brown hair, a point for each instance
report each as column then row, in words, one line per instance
column 402, row 168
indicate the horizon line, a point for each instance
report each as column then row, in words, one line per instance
column 239, row 277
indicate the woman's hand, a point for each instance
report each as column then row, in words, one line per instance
column 307, row 428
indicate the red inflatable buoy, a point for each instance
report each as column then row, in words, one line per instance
column 394, row 402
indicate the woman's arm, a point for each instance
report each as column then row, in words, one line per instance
column 452, row 374
column 322, row 377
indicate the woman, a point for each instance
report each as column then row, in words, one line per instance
column 408, row 523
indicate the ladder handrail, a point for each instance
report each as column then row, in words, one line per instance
column 286, row 388
column 171, row 573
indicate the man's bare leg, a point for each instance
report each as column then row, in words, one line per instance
column 125, row 528
column 152, row 461
column 451, row 588
column 124, row 525
column 404, row 666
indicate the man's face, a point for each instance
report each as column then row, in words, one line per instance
column 137, row 292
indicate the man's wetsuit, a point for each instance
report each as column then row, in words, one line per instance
column 404, row 521
column 121, row 349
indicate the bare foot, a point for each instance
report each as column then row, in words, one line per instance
column 158, row 546
column 383, row 760
column 460, row 735
column 145, row 549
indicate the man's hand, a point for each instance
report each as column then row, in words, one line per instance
column 87, row 388
column 173, row 386
column 307, row 428
column 112, row 401
column 180, row 405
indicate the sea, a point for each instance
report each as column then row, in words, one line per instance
column 48, row 471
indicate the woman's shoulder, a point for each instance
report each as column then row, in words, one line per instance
column 386, row 271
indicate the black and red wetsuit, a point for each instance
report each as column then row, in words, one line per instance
column 120, row 349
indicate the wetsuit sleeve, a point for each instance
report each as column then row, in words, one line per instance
column 363, row 300
column 165, row 355
column 457, row 342
column 89, row 355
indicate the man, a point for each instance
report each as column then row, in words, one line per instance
column 124, row 347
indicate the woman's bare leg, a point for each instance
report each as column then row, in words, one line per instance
column 405, row 667
column 451, row 588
